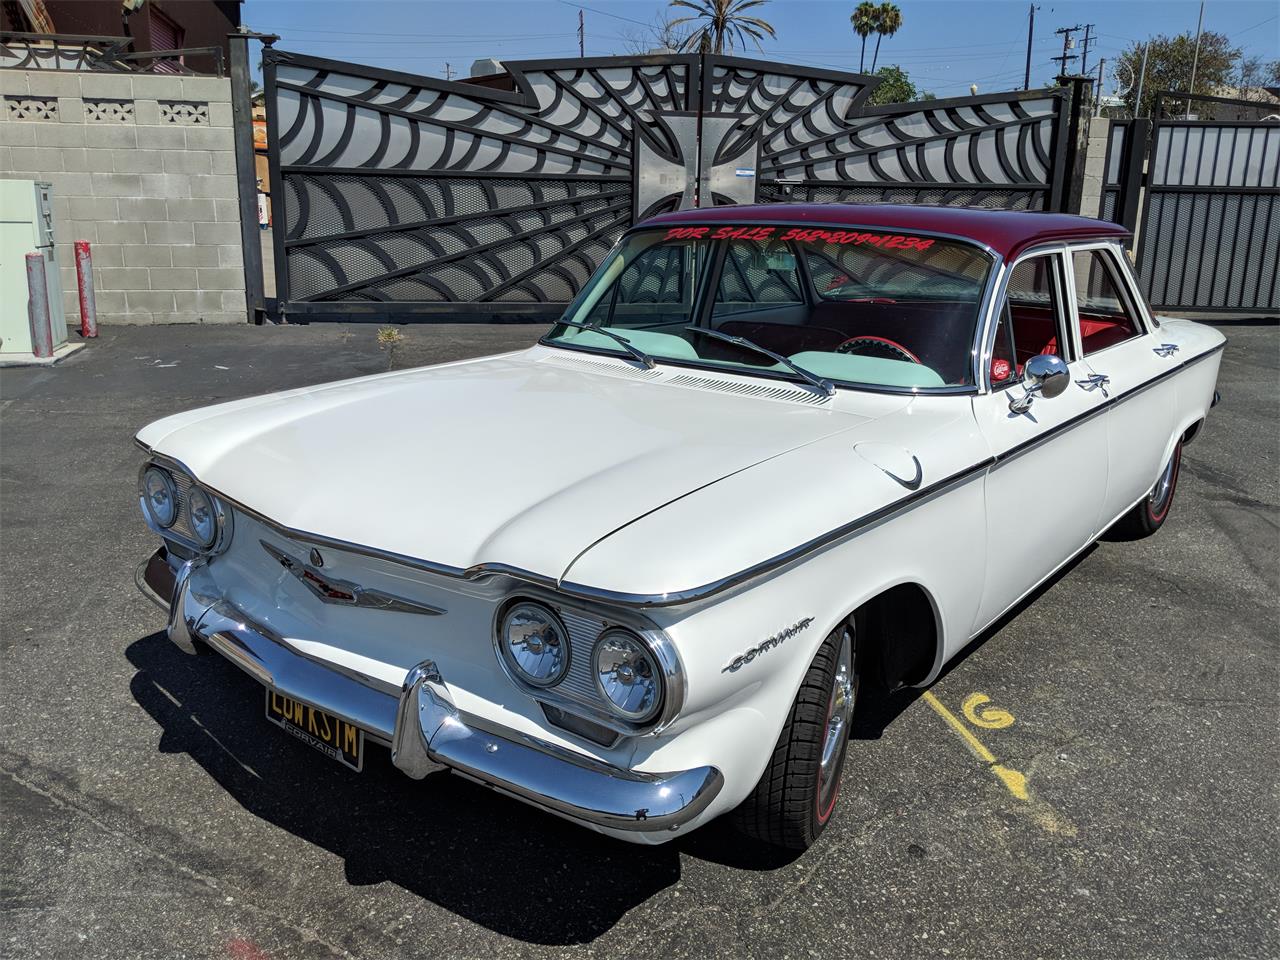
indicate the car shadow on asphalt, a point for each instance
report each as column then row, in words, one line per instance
column 489, row 859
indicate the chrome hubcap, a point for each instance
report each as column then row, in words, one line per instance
column 842, row 698
column 1163, row 489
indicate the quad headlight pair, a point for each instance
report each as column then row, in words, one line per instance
column 162, row 504
column 536, row 647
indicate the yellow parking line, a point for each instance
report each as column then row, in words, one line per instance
column 1014, row 781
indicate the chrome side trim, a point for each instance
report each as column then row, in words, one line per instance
column 621, row 598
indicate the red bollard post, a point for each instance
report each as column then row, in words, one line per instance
column 38, row 307
column 84, row 282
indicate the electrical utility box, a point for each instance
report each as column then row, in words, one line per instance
column 26, row 226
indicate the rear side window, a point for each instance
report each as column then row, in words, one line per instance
column 1030, row 318
column 1104, row 314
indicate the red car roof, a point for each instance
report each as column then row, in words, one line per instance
column 1004, row 231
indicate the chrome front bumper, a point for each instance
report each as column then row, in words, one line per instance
column 420, row 722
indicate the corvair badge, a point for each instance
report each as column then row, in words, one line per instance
column 740, row 661
column 331, row 590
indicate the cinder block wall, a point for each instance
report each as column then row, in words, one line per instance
column 1094, row 167
column 143, row 167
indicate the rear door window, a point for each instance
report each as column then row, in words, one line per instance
column 1105, row 315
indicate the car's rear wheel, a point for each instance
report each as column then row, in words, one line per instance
column 1151, row 511
column 795, row 799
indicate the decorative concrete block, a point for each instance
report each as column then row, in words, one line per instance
column 137, row 161
column 195, row 256
column 187, row 161
column 190, row 210
column 170, row 232
column 124, row 278
column 147, row 255
column 221, row 279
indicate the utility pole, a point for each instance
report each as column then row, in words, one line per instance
column 1065, row 33
column 1195, row 59
column 1142, row 76
column 1031, row 30
column 448, row 71
column 582, row 37
column 1084, row 51
column 1097, row 94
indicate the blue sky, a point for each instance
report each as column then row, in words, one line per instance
column 945, row 45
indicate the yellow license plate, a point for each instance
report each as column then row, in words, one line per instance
column 335, row 738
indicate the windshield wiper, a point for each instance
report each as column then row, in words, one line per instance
column 636, row 352
column 826, row 386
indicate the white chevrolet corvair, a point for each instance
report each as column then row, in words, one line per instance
column 635, row 574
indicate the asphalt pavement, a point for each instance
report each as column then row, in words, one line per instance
column 1096, row 777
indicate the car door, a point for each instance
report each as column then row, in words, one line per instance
column 1124, row 360
column 1045, row 488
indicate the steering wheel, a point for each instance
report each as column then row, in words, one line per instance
column 881, row 347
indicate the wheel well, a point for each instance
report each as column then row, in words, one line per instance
column 897, row 636
column 1190, row 433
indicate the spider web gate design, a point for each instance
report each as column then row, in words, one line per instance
column 399, row 197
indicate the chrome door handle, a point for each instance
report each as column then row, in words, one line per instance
column 1097, row 381
column 1165, row 350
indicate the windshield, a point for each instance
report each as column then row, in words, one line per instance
column 850, row 306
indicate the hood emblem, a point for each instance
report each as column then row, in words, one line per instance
column 740, row 661
column 332, row 590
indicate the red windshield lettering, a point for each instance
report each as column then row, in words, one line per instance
column 759, row 234
column 801, row 235
column 687, row 233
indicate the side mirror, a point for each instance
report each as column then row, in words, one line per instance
column 1044, row 375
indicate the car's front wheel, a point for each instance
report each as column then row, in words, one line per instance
column 1149, row 514
column 795, row 799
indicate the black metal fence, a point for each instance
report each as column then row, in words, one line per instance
column 1210, row 237
column 406, row 197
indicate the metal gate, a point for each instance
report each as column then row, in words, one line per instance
column 1210, row 238
column 403, row 197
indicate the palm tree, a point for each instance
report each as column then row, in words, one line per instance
column 721, row 25
column 864, row 21
column 888, row 22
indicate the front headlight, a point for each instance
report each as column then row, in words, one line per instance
column 534, row 644
column 627, row 675
column 160, row 497
column 204, row 517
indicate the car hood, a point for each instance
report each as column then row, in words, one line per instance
column 524, row 460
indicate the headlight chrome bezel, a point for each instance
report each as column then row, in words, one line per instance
column 569, row 696
column 630, row 639
column 171, row 488
column 509, row 658
column 181, row 531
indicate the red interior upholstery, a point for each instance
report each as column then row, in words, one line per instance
column 1098, row 333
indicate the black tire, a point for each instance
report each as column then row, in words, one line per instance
column 1150, row 513
column 796, row 797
